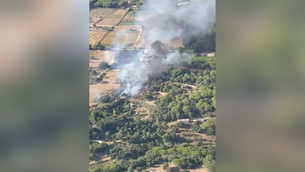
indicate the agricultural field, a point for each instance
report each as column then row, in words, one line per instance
column 108, row 22
column 127, row 35
column 96, row 36
column 130, row 16
column 106, row 16
column 102, row 12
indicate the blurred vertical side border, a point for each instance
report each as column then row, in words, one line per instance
column 44, row 85
column 260, row 86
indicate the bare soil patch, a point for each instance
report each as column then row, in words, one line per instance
column 96, row 89
column 100, row 56
column 120, row 12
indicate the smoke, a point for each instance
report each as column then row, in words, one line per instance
column 163, row 22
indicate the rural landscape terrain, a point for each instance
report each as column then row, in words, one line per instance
column 152, row 86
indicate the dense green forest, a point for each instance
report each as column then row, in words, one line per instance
column 205, row 42
column 135, row 143
column 114, row 3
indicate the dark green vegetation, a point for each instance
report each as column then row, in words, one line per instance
column 132, row 142
column 204, row 43
column 114, row 3
column 97, row 46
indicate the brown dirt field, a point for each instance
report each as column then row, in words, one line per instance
column 97, row 89
column 96, row 36
column 120, row 12
column 158, row 168
column 122, row 35
column 108, row 22
column 94, row 20
column 107, row 56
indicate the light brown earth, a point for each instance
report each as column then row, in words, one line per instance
column 120, row 12
column 122, row 35
column 96, row 36
column 96, row 89
column 94, row 20
column 107, row 56
column 111, row 76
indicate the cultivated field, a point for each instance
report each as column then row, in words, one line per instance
column 96, row 36
column 127, row 35
column 106, row 16
column 102, row 12
column 130, row 16
column 108, row 22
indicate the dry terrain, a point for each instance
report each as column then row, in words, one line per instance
column 96, row 36
column 107, row 56
column 108, row 22
column 105, row 17
column 96, row 89
column 111, row 75
column 127, row 35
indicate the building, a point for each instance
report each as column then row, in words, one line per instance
column 212, row 54
column 185, row 121
column 201, row 119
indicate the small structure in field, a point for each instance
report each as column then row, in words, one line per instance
column 201, row 119
column 184, row 121
column 212, row 54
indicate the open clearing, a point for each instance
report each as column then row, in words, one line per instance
column 96, row 89
column 105, row 17
column 96, row 36
column 158, row 168
column 111, row 75
column 107, row 56
column 127, row 35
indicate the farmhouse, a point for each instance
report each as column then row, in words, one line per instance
column 201, row 119
column 212, row 54
column 185, row 121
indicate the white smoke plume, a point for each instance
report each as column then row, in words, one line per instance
column 165, row 21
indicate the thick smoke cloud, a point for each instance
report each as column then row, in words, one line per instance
column 164, row 21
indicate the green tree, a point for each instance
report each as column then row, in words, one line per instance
column 209, row 163
column 103, row 65
column 148, row 96
column 165, row 166
column 122, row 3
